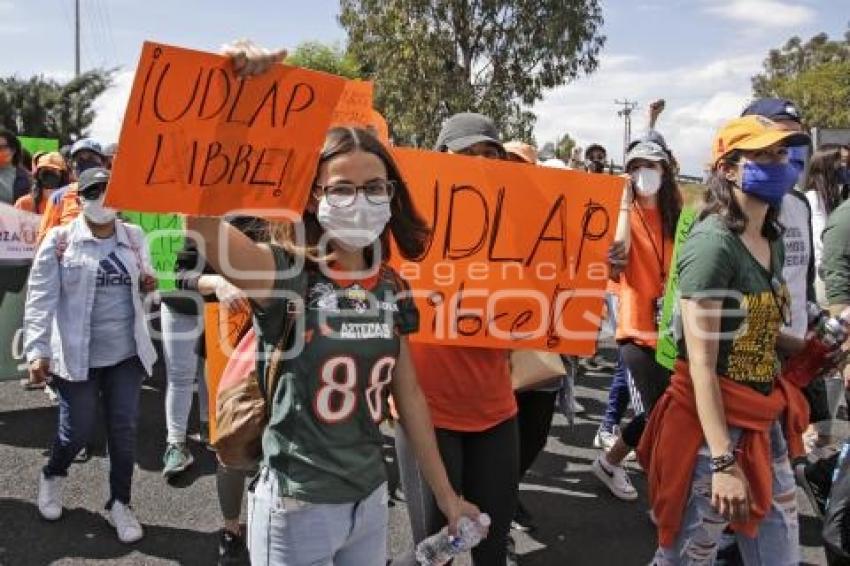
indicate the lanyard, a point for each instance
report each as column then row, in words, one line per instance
column 658, row 255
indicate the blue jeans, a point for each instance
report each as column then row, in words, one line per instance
column 117, row 388
column 618, row 396
column 287, row 532
column 777, row 541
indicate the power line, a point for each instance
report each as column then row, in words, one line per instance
column 76, row 38
column 625, row 113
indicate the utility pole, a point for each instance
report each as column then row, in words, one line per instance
column 76, row 38
column 626, row 115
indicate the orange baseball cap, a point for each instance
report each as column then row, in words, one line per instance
column 522, row 150
column 753, row 132
column 52, row 160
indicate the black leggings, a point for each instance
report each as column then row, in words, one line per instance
column 484, row 467
column 650, row 380
column 535, row 419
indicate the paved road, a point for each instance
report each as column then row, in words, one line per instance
column 580, row 523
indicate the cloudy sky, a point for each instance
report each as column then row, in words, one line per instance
column 698, row 55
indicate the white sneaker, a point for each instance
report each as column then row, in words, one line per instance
column 121, row 517
column 50, row 496
column 616, row 478
column 605, row 439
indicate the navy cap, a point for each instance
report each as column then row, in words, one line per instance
column 773, row 108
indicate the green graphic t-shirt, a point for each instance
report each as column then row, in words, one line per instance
column 714, row 263
column 323, row 440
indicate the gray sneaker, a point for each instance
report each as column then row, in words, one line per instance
column 177, row 459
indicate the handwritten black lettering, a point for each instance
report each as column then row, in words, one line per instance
column 494, row 236
column 459, row 253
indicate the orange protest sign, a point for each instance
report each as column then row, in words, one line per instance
column 355, row 109
column 380, row 125
column 222, row 330
column 197, row 139
column 355, row 105
column 518, row 255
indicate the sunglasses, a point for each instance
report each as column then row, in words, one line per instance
column 93, row 192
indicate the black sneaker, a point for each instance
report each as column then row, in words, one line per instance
column 232, row 550
column 815, row 492
column 84, row 455
column 511, row 557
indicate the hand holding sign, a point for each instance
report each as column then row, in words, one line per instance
column 198, row 139
column 249, row 58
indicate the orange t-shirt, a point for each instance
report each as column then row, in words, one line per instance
column 468, row 389
column 27, row 202
column 61, row 213
column 643, row 280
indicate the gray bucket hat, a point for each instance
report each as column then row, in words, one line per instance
column 466, row 129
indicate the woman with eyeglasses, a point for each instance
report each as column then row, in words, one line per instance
column 321, row 494
column 716, row 447
column 50, row 173
column 86, row 333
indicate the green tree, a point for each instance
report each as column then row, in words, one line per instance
column 565, row 147
column 814, row 74
column 432, row 58
column 43, row 107
column 323, row 57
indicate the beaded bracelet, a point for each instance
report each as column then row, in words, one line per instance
column 722, row 462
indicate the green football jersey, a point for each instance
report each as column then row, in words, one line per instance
column 323, row 440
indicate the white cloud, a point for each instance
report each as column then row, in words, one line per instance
column 761, row 13
column 109, row 108
column 699, row 99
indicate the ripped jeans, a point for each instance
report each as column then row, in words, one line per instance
column 777, row 541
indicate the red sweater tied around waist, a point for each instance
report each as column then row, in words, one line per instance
column 673, row 436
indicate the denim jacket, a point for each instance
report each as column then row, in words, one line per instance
column 60, row 297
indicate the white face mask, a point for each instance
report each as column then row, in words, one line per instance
column 354, row 227
column 96, row 212
column 647, row 181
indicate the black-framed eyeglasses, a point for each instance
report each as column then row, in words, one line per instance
column 780, row 299
column 93, row 192
column 342, row 195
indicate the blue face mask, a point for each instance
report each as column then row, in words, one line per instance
column 768, row 181
column 797, row 156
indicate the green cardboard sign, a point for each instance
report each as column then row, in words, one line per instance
column 667, row 350
column 33, row 145
column 165, row 235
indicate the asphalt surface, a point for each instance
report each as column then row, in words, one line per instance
column 579, row 522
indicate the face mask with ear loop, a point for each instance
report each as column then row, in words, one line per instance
column 768, row 182
column 354, row 227
column 646, row 181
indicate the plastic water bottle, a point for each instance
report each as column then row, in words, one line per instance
column 816, row 315
column 812, row 360
column 438, row 549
